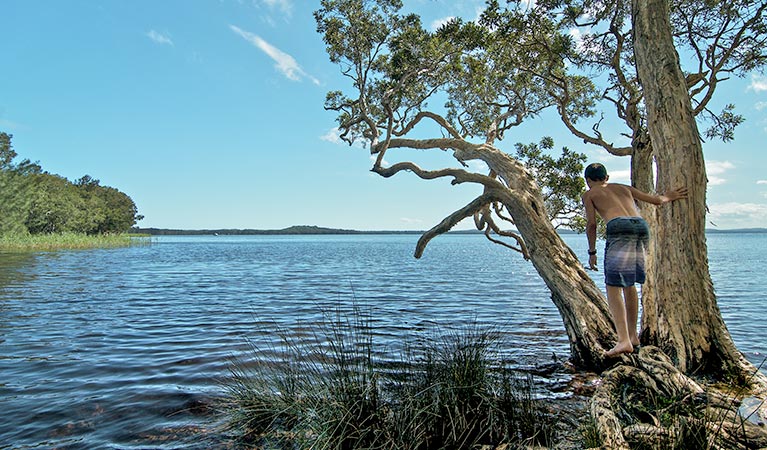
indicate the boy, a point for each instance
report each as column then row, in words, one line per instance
column 627, row 236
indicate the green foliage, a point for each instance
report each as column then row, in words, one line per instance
column 474, row 81
column 14, row 188
column 561, row 179
column 716, row 40
column 724, row 124
column 7, row 154
column 36, row 202
column 449, row 392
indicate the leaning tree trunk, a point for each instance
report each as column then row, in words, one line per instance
column 682, row 316
column 578, row 299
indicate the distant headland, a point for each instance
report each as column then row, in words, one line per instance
column 315, row 230
column 296, row 229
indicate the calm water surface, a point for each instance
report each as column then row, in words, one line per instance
column 125, row 348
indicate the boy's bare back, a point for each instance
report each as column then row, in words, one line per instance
column 611, row 201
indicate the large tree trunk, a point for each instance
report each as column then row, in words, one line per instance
column 681, row 316
column 580, row 302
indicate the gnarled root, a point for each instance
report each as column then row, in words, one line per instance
column 645, row 401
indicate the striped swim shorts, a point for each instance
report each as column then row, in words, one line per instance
column 627, row 239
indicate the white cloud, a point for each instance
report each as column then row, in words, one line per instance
column 437, row 24
column 758, row 83
column 479, row 166
column 738, row 215
column 760, row 106
column 284, row 62
column 286, row 6
column 713, row 180
column 620, row 176
column 761, row 182
column 160, row 38
column 410, row 221
column 577, row 36
column 716, row 168
column 333, row 135
column 374, row 158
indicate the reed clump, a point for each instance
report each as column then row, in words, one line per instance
column 450, row 390
column 25, row 242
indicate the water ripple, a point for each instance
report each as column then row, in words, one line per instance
column 124, row 348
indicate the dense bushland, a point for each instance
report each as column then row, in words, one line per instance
column 33, row 201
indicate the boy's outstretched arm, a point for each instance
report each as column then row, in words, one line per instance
column 669, row 196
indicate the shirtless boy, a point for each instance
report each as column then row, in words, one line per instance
column 627, row 236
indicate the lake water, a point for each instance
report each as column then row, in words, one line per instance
column 125, row 348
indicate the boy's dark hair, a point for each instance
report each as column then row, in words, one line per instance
column 595, row 172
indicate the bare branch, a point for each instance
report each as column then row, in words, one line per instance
column 484, row 219
column 499, row 212
column 435, row 117
column 459, row 175
column 522, row 247
column 450, row 221
column 563, row 100
column 425, row 144
column 617, row 151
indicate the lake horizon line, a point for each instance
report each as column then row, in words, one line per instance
column 317, row 230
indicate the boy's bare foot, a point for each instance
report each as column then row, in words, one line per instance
column 635, row 342
column 619, row 349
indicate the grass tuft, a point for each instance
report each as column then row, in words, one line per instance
column 449, row 391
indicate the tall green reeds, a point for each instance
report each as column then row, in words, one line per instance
column 450, row 390
column 24, row 242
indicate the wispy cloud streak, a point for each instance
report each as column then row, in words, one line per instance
column 160, row 38
column 283, row 61
column 283, row 5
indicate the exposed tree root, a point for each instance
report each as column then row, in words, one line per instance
column 645, row 402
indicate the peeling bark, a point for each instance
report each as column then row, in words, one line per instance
column 681, row 314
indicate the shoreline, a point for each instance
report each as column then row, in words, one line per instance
column 315, row 230
column 19, row 243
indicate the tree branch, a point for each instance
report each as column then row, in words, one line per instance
column 450, row 221
column 435, row 117
column 459, row 175
column 425, row 144
column 484, row 219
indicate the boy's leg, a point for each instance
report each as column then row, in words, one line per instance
column 632, row 312
column 618, row 311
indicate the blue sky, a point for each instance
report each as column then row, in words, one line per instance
column 209, row 114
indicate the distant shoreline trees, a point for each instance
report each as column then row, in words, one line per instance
column 37, row 202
